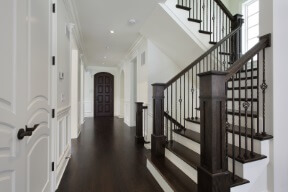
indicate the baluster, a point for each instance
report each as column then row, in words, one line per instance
column 252, row 109
column 201, row 8
column 180, row 100
column 192, row 91
column 210, row 18
column 258, row 99
column 239, row 116
column 207, row 18
column 196, row 91
column 264, row 86
column 167, row 111
column 176, row 107
column 171, row 136
column 233, row 127
column 246, row 105
column 188, row 94
column 184, row 122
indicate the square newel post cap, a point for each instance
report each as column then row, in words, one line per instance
column 158, row 90
column 139, row 103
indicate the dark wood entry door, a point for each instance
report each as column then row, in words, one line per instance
column 103, row 94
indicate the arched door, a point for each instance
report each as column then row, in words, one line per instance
column 103, row 94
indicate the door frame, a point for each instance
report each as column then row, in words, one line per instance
column 54, row 89
column 113, row 90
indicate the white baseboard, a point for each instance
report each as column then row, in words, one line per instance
column 61, row 167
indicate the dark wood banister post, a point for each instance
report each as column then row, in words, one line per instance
column 157, row 138
column 139, row 138
column 213, row 175
column 237, row 38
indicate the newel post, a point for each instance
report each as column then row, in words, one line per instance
column 237, row 38
column 213, row 175
column 158, row 138
column 139, row 123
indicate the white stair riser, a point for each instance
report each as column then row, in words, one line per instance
column 158, row 177
column 259, row 146
column 194, row 146
column 193, row 126
column 183, row 166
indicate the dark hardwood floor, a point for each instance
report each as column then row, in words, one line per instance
column 106, row 158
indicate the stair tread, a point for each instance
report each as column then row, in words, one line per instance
column 225, row 53
column 243, row 99
column 205, row 32
column 242, row 113
column 260, row 137
column 193, row 120
column 194, row 20
column 189, row 156
column 192, row 135
column 193, row 159
column 183, row 7
column 241, row 159
column 242, row 78
column 214, row 43
column 242, row 88
column 177, row 180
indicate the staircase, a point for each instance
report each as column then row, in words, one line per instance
column 209, row 130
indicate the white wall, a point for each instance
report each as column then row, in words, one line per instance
column 132, row 61
column 160, row 70
column 280, row 105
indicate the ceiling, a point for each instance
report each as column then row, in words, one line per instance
column 98, row 17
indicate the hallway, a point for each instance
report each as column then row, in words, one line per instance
column 105, row 158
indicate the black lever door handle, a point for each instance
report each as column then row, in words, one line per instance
column 22, row 133
column 28, row 132
column 31, row 129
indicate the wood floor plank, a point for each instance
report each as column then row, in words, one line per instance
column 105, row 158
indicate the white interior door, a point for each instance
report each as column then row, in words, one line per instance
column 25, row 88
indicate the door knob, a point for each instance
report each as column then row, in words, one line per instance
column 28, row 132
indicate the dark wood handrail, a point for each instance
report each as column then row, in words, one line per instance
column 175, row 78
column 265, row 41
column 225, row 10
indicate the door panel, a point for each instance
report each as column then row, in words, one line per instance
column 38, row 109
column 103, row 94
column 25, row 165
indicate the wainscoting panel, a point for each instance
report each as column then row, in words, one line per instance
column 63, row 142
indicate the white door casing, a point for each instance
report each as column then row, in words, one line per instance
column 25, row 92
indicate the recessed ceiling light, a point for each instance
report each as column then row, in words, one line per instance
column 107, row 47
column 112, row 32
column 103, row 63
column 132, row 21
column 105, row 57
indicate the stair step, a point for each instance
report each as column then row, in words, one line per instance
column 183, row 7
column 243, row 159
column 242, row 88
column 243, row 99
column 205, row 32
column 214, row 43
column 242, row 113
column 225, row 53
column 193, row 120
column 242, row 78
column 187, row 155
column 195, row 20
column 189, row 134
column 259, row 137
column 236, row 112
column 193, row 159
column 248, row 70
column 176, row 179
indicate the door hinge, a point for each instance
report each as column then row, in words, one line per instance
column 53, row 60
column 53, row 166
column 53, row 113
column 54, row 8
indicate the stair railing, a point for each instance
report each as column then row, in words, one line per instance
column 215, row 149
column 212, row 15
